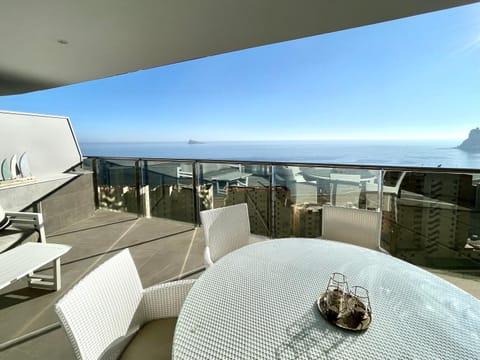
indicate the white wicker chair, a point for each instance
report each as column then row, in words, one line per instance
column 356, row 226
column 226, row 229
column 390, row 195
column 108, row 314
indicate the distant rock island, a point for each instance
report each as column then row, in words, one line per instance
column 191, row 142
column 472, row 144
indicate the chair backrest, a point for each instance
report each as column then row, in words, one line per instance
column 345, row 189
column 396, row 188
column 100, row 307
column 356, row 226
column 226, row 229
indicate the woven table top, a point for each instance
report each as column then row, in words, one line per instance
column 259, row 302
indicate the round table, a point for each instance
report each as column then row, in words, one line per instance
column 259, row 302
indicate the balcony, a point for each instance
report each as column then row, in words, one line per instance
column 430, row 218
column 429, row 215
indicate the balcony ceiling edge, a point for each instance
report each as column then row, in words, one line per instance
column 54, row 43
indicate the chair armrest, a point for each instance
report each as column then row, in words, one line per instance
column 164, row 300
column 254, row 238
column 30, row 220
column 207, row 259
column 382, row 250
column 116, row 347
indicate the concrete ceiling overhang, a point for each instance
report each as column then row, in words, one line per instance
column 51, row 43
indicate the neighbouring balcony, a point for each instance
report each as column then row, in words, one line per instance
column 430, row 218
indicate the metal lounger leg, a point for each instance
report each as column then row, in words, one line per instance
column 49, row 282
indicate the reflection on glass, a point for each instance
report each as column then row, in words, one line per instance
column 432, row 214
column 428, row 218
column 170, row 190
column 234, row 183
column 116, row 181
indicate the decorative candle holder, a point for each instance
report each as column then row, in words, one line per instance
column 337, row 289
column 346, row 308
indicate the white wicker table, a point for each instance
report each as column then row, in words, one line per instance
column 23, row 260
column 259, row 303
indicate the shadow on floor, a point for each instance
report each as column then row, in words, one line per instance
column 21, row 295
column 162, row 250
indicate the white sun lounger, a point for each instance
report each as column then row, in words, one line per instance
column 23, row 260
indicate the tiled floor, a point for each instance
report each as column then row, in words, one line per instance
column 162, row 250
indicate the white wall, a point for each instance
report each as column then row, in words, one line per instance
column 49, row 141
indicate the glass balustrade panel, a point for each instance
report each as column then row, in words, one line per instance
column 430, row 219
column 435, row 220
column 117, row 185
column 169, row 186
column 302, row 191
column 234, row 183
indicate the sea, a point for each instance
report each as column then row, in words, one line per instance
column 421, row 153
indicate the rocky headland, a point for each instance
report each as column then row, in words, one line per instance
column 472, row 143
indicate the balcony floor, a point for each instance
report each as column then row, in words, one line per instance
column 162, row 250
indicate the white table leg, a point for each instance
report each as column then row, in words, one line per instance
column 44, row 281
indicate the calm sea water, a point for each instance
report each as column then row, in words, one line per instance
column 406, row 153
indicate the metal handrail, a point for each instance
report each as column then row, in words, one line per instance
column 302, row 164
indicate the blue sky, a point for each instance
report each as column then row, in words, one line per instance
column 417, row 77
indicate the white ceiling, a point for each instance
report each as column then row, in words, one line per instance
column 110, row 37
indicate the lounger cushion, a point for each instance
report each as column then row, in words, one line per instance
column 153, row 341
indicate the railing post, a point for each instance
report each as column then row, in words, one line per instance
column 196, row 193
column 272, row 231
column 145, row 191
column 138, row 187
column 96, row 190
column 380, row 189
column 380, row 205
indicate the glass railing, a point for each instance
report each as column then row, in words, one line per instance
column 430, row 216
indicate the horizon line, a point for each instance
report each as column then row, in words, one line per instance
column 275, row 140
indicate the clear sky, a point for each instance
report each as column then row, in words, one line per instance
column 417, row 77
